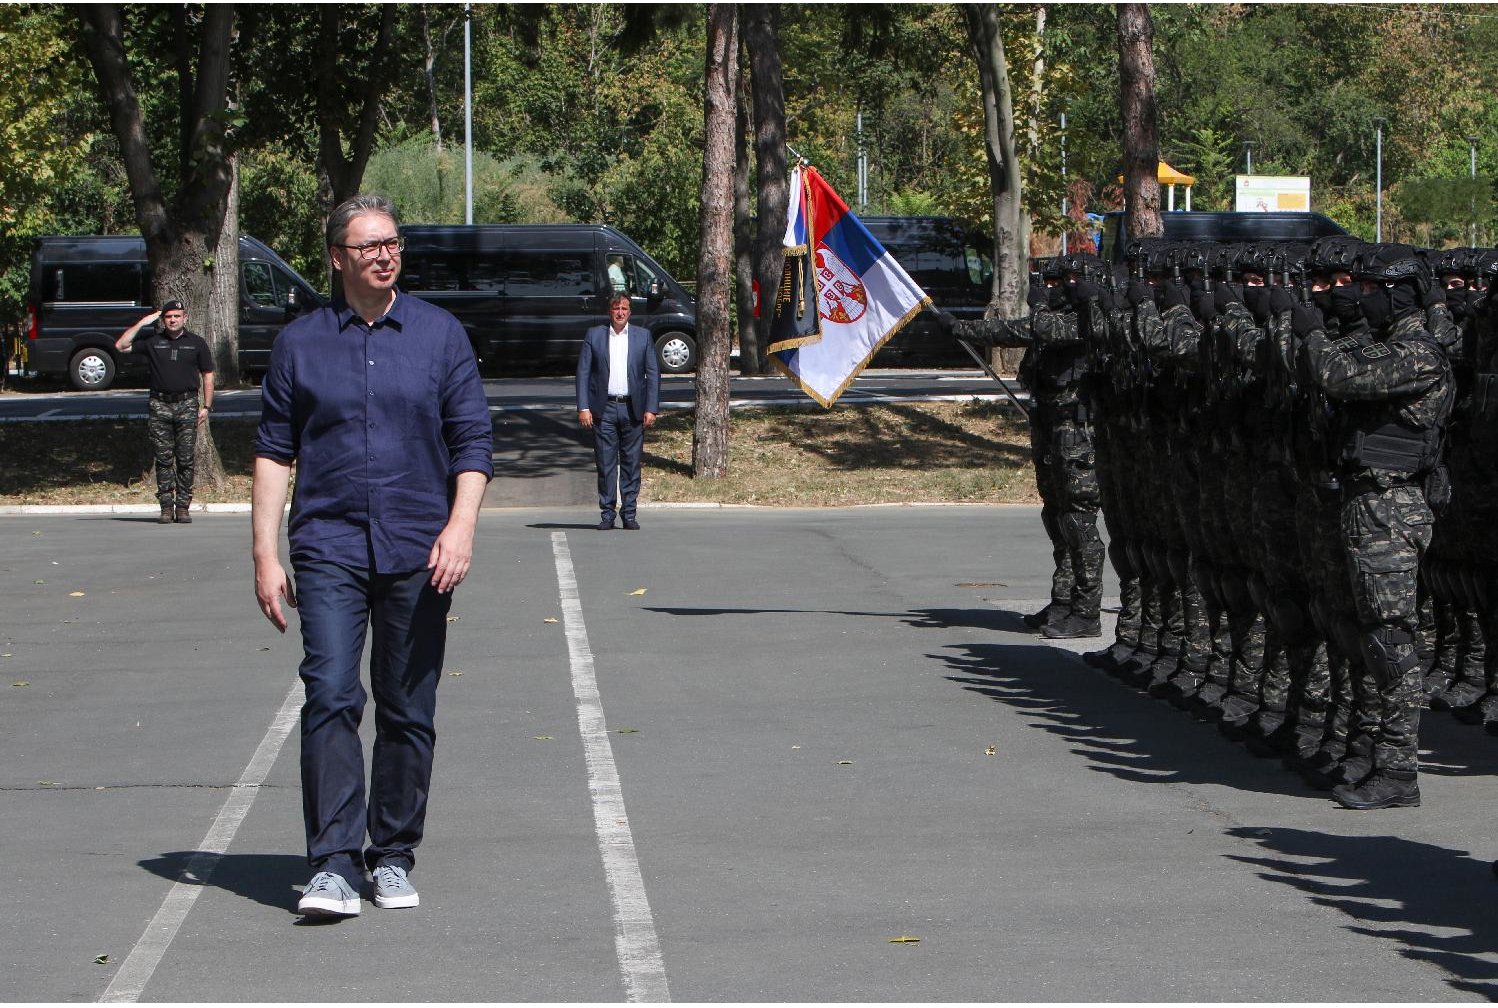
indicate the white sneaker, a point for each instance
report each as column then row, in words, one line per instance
column 328, row 895
column 393, row 889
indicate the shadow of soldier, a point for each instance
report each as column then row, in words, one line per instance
column 1120, row 731
column 1435, row 902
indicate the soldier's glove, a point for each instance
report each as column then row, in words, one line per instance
column 1280, row 300
column 1172, row 293
column 1204, row 306
column 946, row 320
column 1225, row 295
column 1139, row 292
column 1431, row 294
column 1306, row 319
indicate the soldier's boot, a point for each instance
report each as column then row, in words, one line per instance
column 1219, row 667
column 1381, row 789
column 167, row 515
column 1055, row 609
column 1331, row 745
column 1196, row 645
column 1273, row 713
column 1305, row 706
column 184, row 514
column 1274, row 674
column 1471, row 680
column 1073, row 626
column 1149, row 631
column 1172, row 643
column 1125, row 631
column 1442, row 671
column 1246, row 627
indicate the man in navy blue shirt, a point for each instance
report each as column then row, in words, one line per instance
column 377, row 400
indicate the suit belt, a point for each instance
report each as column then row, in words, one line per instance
column 618, row 398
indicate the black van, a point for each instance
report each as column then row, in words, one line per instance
column 1200, row 225
column 86, row 290
column 953, row 263
column 527, row 293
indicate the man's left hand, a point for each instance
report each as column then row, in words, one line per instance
column 202, row 414
column 649, row 419
column 451, row 556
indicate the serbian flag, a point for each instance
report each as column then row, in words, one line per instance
column 841, row 297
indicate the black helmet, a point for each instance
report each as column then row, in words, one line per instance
column 1390, row 263
column 1335, row 254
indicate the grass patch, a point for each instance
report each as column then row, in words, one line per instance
column 971, row 452
column 900, row 453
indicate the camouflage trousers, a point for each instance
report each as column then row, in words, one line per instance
column 1386, row 532
column 173, row 428
column 1066, row 476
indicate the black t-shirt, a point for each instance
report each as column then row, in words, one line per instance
column 175, row 363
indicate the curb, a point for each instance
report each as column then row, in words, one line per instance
column 234, row 508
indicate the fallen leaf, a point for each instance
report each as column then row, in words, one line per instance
column 455, row 674
column 102, row 960
column 991, row 751
column 639, row 591
column 844, row 762
column 626, row 731
column 45, row 783
column 265, row 649
column 795, row 747
column 981, row 584
column 22, row 682
column 542, row 738
column 38, row 581
column 904, row 940
column 453, row 619
column 75, row 594
column 551, row 619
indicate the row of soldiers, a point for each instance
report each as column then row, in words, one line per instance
column 1288, row 445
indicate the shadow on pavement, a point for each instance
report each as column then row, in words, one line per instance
column 1436, row 903
column 265, row 878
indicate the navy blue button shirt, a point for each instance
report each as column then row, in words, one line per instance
column 379, row 420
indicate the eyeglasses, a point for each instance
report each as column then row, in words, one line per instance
column 371, row 250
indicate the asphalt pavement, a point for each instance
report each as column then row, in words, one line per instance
column 808, row 733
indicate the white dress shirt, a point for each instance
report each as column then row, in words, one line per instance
column 619, row 362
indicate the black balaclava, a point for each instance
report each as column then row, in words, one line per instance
column 1346, row 303
column 1377, row 309
column 1036, row 296
column 1256, row 299
column 1404, row 300
column 1456, row 300
column 1056, row 297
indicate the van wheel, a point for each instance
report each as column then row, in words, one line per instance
column 91, row 370
column 677, row 352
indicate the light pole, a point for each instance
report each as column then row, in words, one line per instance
column 468, row 113
column 1064, row 203
column 1248, row 156
column 1378, row 180
column 1472, row 153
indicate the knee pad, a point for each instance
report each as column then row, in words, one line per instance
column 1235, row 591
column 1389, row 652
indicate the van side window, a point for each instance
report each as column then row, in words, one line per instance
column 264, row 285
column 621, row 270
column 95, row 283
column 434, row 271
column 549, row 274
column 979, row 269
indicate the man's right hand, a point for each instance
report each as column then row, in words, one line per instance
column 271, row 586
column 585, row 417
column 149, row 319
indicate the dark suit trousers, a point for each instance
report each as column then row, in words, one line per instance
column 618, row 442
column 409, row 620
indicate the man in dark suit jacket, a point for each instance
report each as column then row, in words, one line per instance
column 618, row 396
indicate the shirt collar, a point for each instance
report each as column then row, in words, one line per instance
column 394, row 317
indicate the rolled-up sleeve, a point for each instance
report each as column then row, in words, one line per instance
column 278, row 435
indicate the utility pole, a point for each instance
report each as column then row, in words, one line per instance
column 1248, row 154
column 1472, row 152
column 468, row 113
column 863, row 167
column 1065, row 207
column 1378, row 180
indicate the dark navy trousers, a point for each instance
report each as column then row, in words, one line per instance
column 618, row 442
column 408, row 619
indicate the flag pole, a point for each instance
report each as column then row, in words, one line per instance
column 994, row 375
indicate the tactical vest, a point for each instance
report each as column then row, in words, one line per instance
column 1370, row 440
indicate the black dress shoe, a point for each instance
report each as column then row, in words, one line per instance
column 631, row 524
column 605, row 525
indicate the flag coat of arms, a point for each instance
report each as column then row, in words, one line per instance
column 842, row 295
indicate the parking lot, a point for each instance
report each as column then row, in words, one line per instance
column 816, row 736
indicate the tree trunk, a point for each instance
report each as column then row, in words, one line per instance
column 743, row 233
column 715, row 258
column 769, row 157
column 342, row 172
column 429, row 69
column 1141, row 131
column 1011, row 224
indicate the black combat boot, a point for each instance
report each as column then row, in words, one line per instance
column 1072, row 626
column 1052, row 612
column 1381, row 789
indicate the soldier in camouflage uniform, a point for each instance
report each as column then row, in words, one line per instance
column 179, row 361
column 1054, row 370
column 1392, row 387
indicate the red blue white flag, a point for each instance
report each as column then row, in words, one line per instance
column 842, row 295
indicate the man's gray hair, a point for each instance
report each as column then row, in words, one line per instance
column 355, row 206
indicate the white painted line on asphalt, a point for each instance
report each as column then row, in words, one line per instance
column 143, row 959
column 635, row 941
